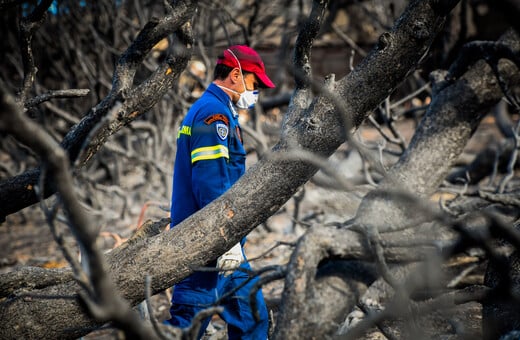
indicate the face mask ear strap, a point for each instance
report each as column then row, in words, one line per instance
column 234, row 56
column 239, row 67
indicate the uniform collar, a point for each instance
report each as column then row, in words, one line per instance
column 223, row 97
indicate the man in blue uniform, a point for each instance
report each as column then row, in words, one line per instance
column 210, row 158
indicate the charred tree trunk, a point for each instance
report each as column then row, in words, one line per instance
column 170, row 256
column 457, row 108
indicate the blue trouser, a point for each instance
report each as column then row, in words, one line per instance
column 201, row 289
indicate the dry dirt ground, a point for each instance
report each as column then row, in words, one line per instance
column 25, row 238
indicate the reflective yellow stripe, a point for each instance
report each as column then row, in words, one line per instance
column 184, row 130
column 209, row 152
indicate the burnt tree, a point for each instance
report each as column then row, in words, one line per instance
column 394, row 224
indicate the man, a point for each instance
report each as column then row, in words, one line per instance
column 210, row 158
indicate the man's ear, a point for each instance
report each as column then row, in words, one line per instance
column 234, row 75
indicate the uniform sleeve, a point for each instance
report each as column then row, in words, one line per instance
column 210, row 158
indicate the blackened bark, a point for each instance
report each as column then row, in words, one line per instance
column 457, row 108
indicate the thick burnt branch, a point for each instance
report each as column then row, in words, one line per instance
column 300, row 314
column 141, row 98
column 489, row 51
column 302, row 57
column 400, row 50
column 30, row 278
column 444, row 131
column 303, row 47
column 438, row 141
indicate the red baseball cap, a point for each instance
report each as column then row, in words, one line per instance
column 250, row 61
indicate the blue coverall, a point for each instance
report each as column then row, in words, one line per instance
column 210, row 158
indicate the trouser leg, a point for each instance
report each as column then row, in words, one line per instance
column 190, row 296
column 237, row 309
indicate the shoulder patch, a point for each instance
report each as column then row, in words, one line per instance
column 217, row 117
column 222, row 131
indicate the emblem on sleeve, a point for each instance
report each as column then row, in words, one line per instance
column 222, row 130
column 216, row 118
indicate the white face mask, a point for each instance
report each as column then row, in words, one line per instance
column 247, row 98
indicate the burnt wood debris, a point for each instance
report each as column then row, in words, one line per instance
column 400, row 220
